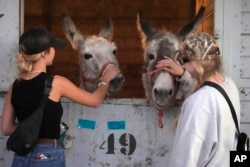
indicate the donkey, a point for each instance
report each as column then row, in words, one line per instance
column 161, row 87
column 96, row 53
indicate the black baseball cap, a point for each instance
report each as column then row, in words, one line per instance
column 36, row 40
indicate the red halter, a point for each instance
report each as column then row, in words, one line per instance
column 159, row 111
column 100, row 73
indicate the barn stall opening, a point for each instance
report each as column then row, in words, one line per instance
column 123, row 131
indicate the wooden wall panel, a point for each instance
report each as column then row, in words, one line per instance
column 208, row 21
column 100, row 9
column 90, row 15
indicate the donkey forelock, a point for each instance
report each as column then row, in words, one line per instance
column 162, row 44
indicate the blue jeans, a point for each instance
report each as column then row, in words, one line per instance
column 41, row 156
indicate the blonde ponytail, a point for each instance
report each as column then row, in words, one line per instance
column 25, row 63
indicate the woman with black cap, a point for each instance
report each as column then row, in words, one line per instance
column 206, row 131
column 37, row 51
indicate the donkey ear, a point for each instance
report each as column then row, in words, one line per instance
column 74, row 36
column 143, row 26
column 107, row 30
column 192, row 25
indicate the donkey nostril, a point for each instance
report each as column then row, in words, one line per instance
column 118, row 79
column 170, row 92
column 162, row 93
column 156, row 92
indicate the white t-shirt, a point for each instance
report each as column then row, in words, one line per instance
column 206, row 131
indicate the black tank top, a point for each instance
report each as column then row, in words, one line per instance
column 26, row 96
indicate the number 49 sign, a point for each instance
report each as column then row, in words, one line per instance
column 127, row 144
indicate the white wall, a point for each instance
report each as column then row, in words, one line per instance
column 148, row 144
column 145, row 144
column 232, row 22
column 9, row 28
column 244, row 64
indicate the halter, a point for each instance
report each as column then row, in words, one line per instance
column 99, row 76
column 159, row 111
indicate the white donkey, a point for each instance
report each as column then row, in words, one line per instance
column 96, row 53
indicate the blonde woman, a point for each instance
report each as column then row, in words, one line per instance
column 205, row 132
column 37, row 51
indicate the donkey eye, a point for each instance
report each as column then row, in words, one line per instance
column 151, row 56
column 114, row 52
column 87, row 56
column 71, row 34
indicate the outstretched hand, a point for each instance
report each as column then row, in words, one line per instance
column 170, row 66
column 110, row 73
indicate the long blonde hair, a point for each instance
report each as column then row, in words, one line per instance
column 206, row 68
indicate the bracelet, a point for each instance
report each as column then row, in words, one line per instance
column 102, row 83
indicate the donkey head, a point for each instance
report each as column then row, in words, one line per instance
column 96, row 53
column 160, row 86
